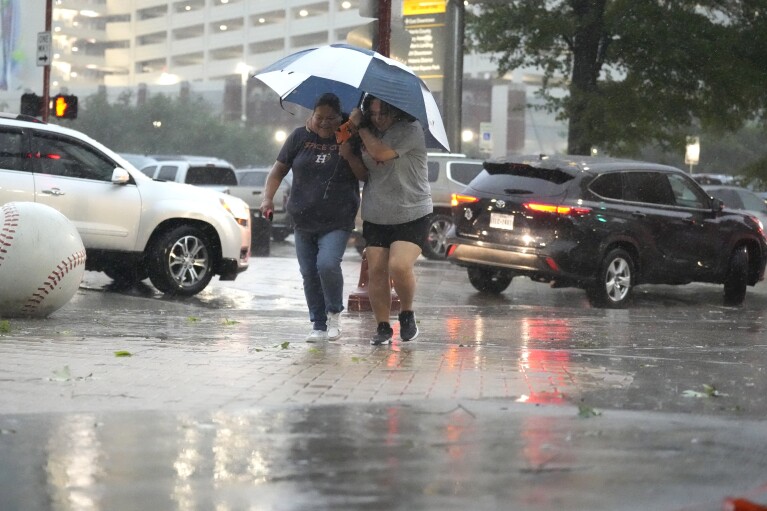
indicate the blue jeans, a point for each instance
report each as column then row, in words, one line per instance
column 319, row 257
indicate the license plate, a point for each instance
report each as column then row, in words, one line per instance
column 501, row 221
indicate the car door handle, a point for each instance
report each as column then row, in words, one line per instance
column 53, row 191
column 256, row 192
column 638, row 214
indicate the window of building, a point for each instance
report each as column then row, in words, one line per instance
column 188, row 59
column 230, row 52
column 188, row 5
column 314, row 39
column 155, row 38
column 309, row 11
column 152, row 13
column 229, row 25
column 188, row 32
column 267, row 18
column 266, row 46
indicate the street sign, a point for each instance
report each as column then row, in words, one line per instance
column 43, row 48
column 486, row 137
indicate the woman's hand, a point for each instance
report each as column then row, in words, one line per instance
column 356, row 117
column 267, row 207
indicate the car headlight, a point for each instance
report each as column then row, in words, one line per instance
column 237, row 208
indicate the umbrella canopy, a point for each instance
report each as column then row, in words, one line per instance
column 350, row 72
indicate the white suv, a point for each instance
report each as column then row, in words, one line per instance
column 132, row 227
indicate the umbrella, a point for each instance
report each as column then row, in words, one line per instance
column 350, row 72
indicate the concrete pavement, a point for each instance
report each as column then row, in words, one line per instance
column 530, row 400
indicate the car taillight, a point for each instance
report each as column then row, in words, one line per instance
column 559, row 210
column 456, row 199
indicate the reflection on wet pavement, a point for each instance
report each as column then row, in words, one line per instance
column 480, row 455
column 216, row 401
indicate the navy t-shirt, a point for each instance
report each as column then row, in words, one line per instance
column 325, row 192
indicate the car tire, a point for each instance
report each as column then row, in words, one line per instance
column 436, row 240
column 181, row 261
column 126, row 276
column 736, row 281
column 615, row 281
column 485, row 280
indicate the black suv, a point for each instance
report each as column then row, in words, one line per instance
column 601, row 224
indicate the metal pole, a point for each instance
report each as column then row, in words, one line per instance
column 384, row 27
column 453, row 81
column 47, row 67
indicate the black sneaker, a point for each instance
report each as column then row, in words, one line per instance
column 383, row 334
column 408, row 329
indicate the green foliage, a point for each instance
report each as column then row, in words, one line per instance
column 188, row 126
column 636, row 72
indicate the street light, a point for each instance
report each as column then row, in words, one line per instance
column 244, row 71
column 692, row 153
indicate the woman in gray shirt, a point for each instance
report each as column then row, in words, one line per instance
column 396, row 204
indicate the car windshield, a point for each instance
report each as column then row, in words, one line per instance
column 211, row 176
column 521, row 179
column 253, row 178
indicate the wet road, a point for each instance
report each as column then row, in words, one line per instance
column 528, row 400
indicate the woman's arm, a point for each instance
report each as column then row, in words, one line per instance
column 355, row 162
column 373, row 145
column 273, row 180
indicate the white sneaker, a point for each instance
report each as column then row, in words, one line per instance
column 317, row 335
column 334, row 330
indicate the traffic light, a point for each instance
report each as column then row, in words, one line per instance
column 64, row 106
column 31, row 104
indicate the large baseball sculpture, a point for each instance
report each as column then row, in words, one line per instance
column 42, row 260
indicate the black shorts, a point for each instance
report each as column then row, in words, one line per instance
column 377, row 235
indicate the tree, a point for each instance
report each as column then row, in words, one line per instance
column 636, row 72
column 171, row 125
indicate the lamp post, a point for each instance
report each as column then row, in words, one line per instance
column 692, row 152
column 244, row 71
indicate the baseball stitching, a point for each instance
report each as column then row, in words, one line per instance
column 56, row 276
column 10, row 223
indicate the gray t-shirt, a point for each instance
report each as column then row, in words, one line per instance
column 397, row 191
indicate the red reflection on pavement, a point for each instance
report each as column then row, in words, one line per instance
column 546, row 368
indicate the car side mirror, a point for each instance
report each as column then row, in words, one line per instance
column 120, row 176
column 717, row 205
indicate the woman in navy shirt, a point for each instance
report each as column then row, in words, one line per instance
column 323, row 202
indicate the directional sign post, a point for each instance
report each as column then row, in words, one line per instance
column 43, row 48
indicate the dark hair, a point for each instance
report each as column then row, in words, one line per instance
column 329, row 99
column 386, row 108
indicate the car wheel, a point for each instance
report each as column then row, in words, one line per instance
column 736, row 281
column 490, row 281
column 126, row 276
column 181, row 261
column 436, row 241
column 614, row 284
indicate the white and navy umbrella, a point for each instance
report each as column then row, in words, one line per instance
column 350, row 72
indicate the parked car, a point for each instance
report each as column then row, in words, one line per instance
column 251, row 183
column 213, row 173
column 132, row 227
column 137, row 160
column 449, row 173
column 604, row 225
column 740, row 199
